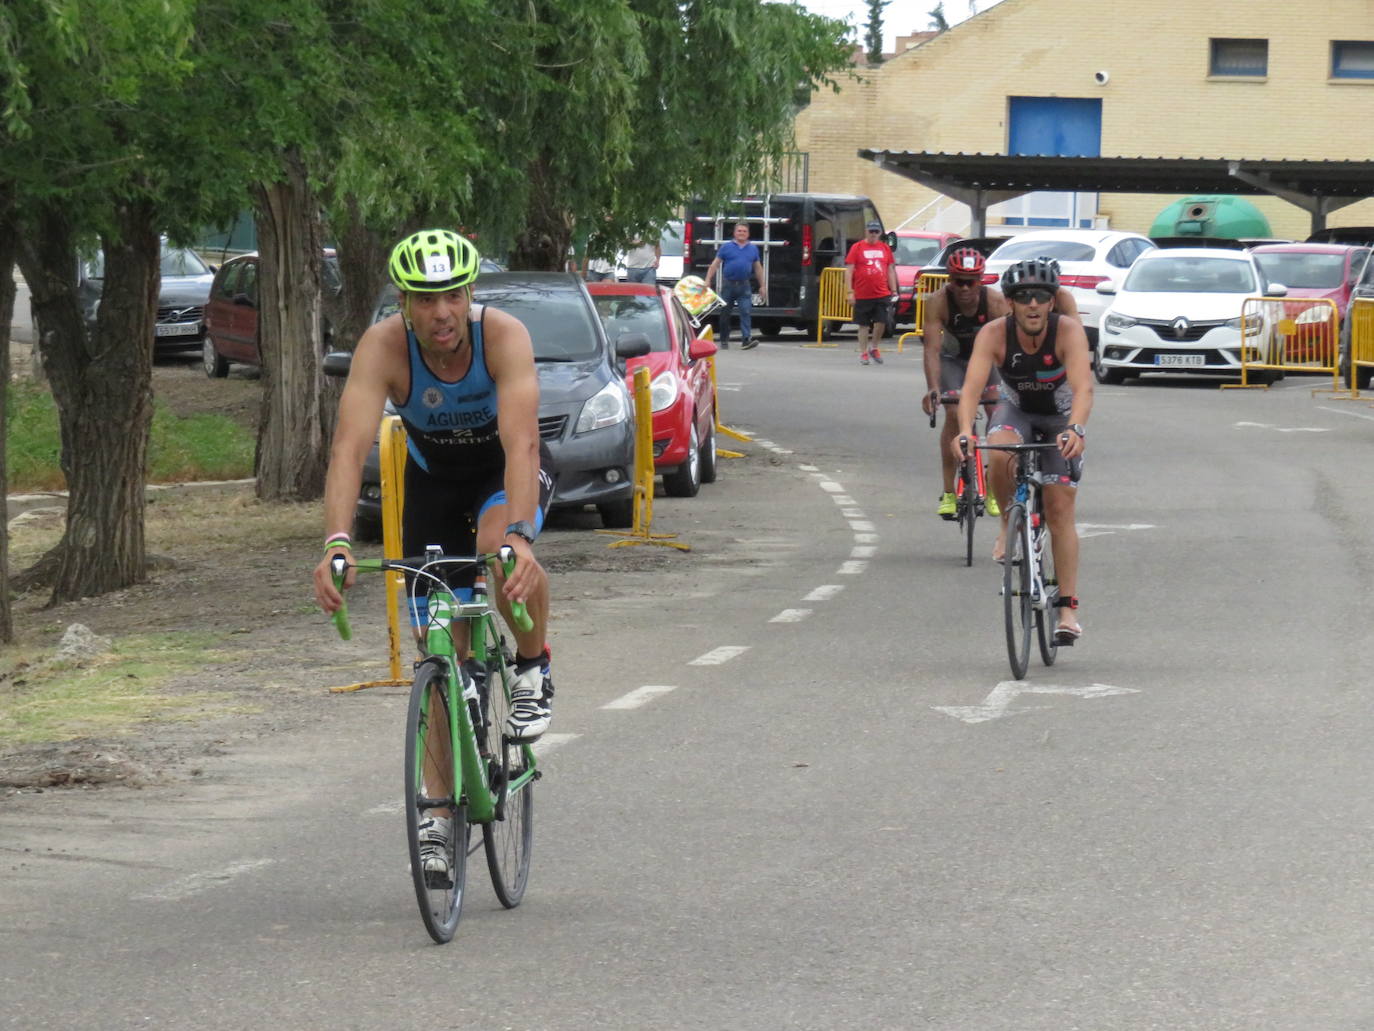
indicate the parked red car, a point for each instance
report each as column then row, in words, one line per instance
column 1325, row 270
column 916, row 248
column 680, row 378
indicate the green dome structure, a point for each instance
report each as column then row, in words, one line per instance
column 1224, row 216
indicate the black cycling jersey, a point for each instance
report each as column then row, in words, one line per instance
column 964, row 328
column 1035, row 382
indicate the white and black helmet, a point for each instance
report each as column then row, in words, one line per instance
column 1032, row 274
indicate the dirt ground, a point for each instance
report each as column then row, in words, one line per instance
column 231, row 576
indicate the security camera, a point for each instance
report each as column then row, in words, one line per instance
column 1101, row 78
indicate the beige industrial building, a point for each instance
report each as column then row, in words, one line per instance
column 1231, row 79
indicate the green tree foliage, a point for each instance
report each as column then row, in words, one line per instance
column 873, row 37
column 938, row 21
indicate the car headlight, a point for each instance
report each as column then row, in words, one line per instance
column 1118, row 323
column 1251, row 327
column 610, row 405
column 663, row 391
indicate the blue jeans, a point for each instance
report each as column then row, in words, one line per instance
column 735, row 292
column 640, row 275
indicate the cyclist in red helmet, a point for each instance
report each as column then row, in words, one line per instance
column 953, row 317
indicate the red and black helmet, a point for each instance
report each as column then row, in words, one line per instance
column 967, row 261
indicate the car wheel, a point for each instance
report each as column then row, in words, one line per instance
column 1110, row 377
column 616, row 515
column 766, row 327
column 366, row 529
column 216, row 367
column 685, row 480
column 708, row 452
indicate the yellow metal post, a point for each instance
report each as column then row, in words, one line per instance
column 644, row 475
column 715, row 405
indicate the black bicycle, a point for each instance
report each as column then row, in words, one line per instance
column 1029, row 584
column 970, row 487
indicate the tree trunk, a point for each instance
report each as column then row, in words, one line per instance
column 543, row 244
column 291, row 457
column 102, row 385
column 7, row 236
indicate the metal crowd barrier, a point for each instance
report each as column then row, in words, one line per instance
column 928, row 285
column 1361, row 319
column 1288, row 334
column 833, row 303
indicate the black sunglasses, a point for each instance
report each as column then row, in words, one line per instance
column 966, row 282
column 1034, row 296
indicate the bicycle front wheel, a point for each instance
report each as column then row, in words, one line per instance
column 1046, row 615
column 969, row 503
column 509, row 838
column 1016, row 592
column 439, row 872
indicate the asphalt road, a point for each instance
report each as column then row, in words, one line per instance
column 846, row 821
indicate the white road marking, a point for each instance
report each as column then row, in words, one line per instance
column 865, row 538
column 862, row 526
column 852, row 513
column 549, row 742
column 790, row 616
column 196, row 883
column 996, row 704
column 862, row 551
column 843, row 499
column 831, row 486
column 824, row 592
column 851, row 568
column 1282, row 429
column 718, row 655
column 1343, row 411
column 807, row 468
column 640, row 696
column 1116, row 526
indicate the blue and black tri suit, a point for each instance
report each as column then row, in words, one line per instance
column 455, row 464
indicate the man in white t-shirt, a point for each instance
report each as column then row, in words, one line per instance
column 641, row 261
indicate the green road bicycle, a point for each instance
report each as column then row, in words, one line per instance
column 459, row 761
column 1029, row 585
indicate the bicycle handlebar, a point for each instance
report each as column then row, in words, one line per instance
column 339, row 568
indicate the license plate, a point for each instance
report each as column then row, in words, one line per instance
column 177, row 329
column 1180, row 359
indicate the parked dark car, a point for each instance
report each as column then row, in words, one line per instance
column 585, row 414
column 1363, row 289
column 180, row 302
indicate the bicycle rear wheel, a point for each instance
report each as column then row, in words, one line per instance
column 1016, row 593
column 429, row 793
column 1046, row 615
column 509, row 838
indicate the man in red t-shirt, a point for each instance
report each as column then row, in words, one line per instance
column 870, row 279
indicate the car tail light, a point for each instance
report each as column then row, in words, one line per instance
column 990, row 277
column 806, row 246
column 687, row 235
column 1082, row 282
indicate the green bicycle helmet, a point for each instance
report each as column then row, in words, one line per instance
column 433, row 261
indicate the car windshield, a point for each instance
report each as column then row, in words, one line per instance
column 176, row 261
column 558, row 319
column 1060, row 250
column 1191, row 276
column 637, row 314
column 670, row 243
column 916, row 250
column 1303, row 271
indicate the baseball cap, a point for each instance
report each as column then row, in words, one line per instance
column 875, row 226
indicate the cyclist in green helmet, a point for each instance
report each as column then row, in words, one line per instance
column 477, row 476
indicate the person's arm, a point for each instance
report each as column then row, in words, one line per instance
column 850, row 260
column 360, row 412
column 933, row 339
column 510, row 357
column 891, row 273
column 998, row 305
column 1064, row 304
column 987, row 352
column 658, row 254
column 711, row 268
column 758, row 274
column 1072, row 345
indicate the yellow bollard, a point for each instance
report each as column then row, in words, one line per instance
column 644, row 475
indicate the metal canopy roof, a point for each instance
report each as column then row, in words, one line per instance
column 978, row 180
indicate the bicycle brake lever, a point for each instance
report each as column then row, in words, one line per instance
column 338, row 568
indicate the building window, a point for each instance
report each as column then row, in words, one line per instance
column 1249, row 57
column 1351, row 60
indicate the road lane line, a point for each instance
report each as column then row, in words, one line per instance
column 196, row 883
column 640, row 696
column 824, row 593
column 718, row 655
column 851, row 568
column 862, row 551
column 790, row 616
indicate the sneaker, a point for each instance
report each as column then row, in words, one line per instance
column 991, row 507
column 863, row 358
column 948, row 505
column 436, row 839
column 876, row 356
column 746, row 345
column 531, row 705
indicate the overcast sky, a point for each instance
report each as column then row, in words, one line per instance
column 900, row 17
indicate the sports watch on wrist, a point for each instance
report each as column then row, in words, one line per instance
column 522, row 529
column 1079, row 430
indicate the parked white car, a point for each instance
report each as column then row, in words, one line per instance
column 1179, row 310
column 1086, row 258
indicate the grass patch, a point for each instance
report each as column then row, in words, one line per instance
column 105, row 697
column 180, row 449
